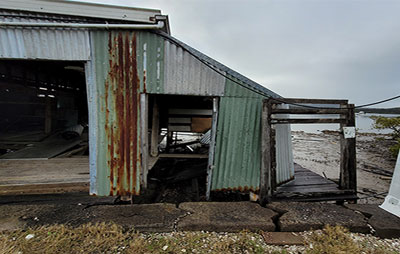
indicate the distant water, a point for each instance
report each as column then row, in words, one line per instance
column 363, row 124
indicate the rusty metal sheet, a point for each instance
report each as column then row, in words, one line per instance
column 118, row 141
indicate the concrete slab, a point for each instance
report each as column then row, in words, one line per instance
column 385, row 224
column 143, row 217
column 297, row 217
column 226, row 217
column 283, row 238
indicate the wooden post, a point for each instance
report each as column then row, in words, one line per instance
column 48, row 110
column 155, row 128
column 348, row 170
column 351, row 147
column 273, row 159
column 265, row 175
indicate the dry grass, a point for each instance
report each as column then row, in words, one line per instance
column 111, row 238
column 332, row 240
column 337, row 239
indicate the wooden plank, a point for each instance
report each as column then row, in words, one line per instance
column 306, row 121
column 155, row 129
column 310, row 101
column 211, row 151
column 44, row 188
column 201, row 125
column 49, row 148
column 57, row 170
column 265, row 177
column 308, row 181
column 182, row 128
column 182, row 156
column 187, row 120
column 308, row 111
column 183, row 111
column 311, row 188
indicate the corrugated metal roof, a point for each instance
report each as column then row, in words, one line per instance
column 165, row 68
column 48, row 44
column 77, row 8
column 233, row 74
column 185, row 74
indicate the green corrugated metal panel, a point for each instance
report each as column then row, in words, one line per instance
column 118, row 162
column 150, row 59
column 233, row 89
column 238, row 142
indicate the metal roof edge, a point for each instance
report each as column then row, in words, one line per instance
column 84, row 9
column 220, row 66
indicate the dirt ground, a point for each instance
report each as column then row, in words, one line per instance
column 321, row 154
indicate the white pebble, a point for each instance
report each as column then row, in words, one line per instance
column 165, row 247
column 30, row 236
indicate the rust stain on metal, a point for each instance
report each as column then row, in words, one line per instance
column 144, row 81
column 122, row 90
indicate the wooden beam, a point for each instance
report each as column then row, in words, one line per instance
column 265, row 174
column 184, row 111
column 304, row 121
column 155, row 129
column 308, row 111
column 309, row 101
column 183, row 156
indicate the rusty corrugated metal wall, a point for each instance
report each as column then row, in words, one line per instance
column 118, row 89
column 172, row 70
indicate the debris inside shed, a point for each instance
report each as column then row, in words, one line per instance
column 44, row 115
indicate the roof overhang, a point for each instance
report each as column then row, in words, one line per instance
column 93, row 10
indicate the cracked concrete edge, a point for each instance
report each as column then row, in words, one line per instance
column 203, row 221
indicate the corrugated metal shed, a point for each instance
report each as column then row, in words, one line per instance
column 120, row 66
column 49, row 44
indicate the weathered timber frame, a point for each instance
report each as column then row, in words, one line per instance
column 273, row 115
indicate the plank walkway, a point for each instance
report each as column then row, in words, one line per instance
column 310, row 186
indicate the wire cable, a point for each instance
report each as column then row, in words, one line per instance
column 212, row 67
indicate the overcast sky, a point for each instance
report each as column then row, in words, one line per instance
column 314, row 49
